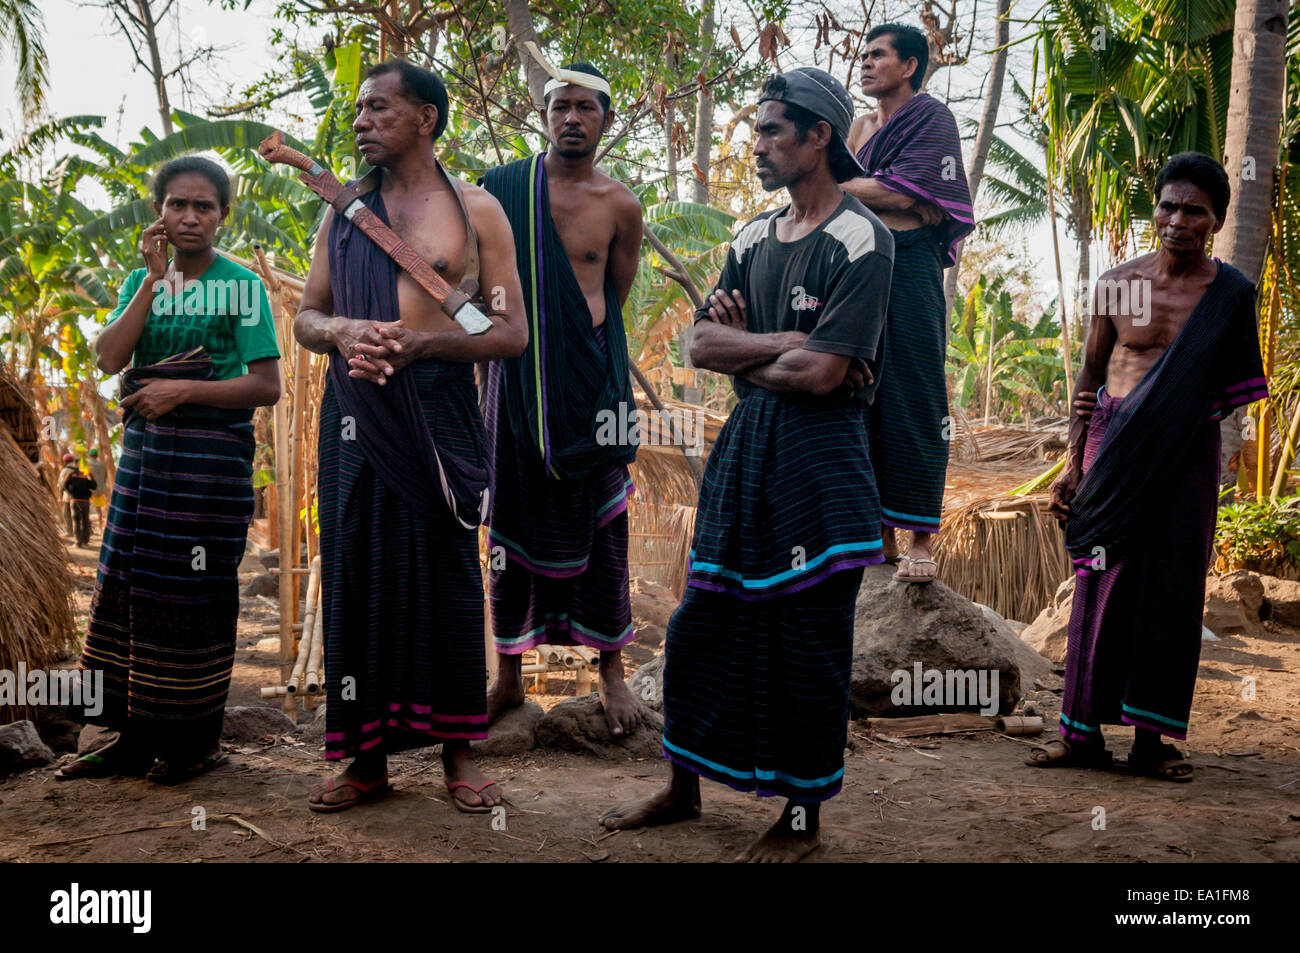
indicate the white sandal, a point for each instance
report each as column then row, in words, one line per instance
column 904, row 568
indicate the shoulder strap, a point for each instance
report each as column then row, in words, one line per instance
column 469, row 281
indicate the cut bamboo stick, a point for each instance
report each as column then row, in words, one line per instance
column 315, row 669
column 304, row 644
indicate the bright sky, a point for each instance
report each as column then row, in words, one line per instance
column 93, row 72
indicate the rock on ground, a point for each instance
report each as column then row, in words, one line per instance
column 1282, row 600
column 263, row 584
column 514, row 732
column 897, row 625
column 578, row 724
column 652, row 604
column 1049, row 633
column 312, row 729
column 58, row 727
column 647, row 683
column 247, row 724
column 94, row 737
column 22, row 748
column 1233, row 603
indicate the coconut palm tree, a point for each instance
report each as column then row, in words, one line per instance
column 22, row 29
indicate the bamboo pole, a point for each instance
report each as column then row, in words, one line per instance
column 1266, row 407
column 304, row 643
column 1288, row 453
column 1060, row 290
column 288, row 580
column 315, row 667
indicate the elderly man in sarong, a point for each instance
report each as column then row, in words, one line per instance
column 558, row 521
column 914, row 180
column 403, row 459
column 756, row 685
column 1172, row 348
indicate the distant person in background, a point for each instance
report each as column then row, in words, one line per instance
column 100, row 474
column 79, row 488
column 1141, row 478
column 198, row 333
column 65, row 501
column 915, row 182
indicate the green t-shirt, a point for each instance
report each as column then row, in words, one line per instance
column 226, row 311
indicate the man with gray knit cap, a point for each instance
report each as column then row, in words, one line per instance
column 756, row 683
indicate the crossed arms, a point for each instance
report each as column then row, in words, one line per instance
column 777, row 361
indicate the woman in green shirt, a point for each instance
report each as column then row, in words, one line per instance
column 199, row 334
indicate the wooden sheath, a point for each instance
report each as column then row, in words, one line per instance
column 324, row 183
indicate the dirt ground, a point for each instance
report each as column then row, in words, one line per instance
column 956, row 798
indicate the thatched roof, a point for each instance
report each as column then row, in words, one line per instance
column 18, row 417
column 36, row 623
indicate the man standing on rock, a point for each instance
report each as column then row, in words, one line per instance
column 403, row 460
column 915, row 181
column 1172, row 348
column 558, row 520
column 756, row 682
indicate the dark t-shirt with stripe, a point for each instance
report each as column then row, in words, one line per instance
column 832, row 284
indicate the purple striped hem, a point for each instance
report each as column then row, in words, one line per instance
column 910, row 527
column 702, row 580
column 1128, row 719
column 755, row 787
column 617, row 508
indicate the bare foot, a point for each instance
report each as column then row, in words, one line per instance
column 508, row 690
column 794, row 836
column 780, row 846
column 622, row 711
column 922, row 546
column 458, row 765
column 678, row 800
column 890, row 542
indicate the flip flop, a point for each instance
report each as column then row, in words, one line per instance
column 1162, row 768
column 365, row 792
column 95, row 765
column 164, row 773
column 87, row 766
column 893, row 560
column 470, row 808
column 1080, row 756
column 902, row 576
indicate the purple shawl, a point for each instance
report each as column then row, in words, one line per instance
column 918, row 152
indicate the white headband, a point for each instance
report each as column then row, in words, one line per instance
column 565, row 77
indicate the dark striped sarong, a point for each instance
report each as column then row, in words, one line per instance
column 756, row 686
column 1141, row 527
column 559, row 572
column 403, row 594
column 910, row 426
column 1135, row 623
column 166, row 604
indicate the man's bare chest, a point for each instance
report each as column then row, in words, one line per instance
column 435, row 231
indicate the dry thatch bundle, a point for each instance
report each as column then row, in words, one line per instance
column 661, row 515
column 1018, row 443
column 659, row 540
column 1007, row 553
column 16, row 416
column 36, row 621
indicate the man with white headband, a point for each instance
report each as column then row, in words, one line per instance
column 558, row 518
